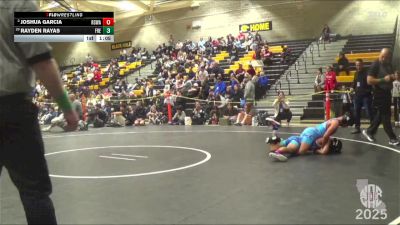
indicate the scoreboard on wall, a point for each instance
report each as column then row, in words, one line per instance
column 63, row 27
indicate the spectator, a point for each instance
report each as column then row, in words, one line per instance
column 326, row 34
column 346, row 100
column 202, row 74
column 179, row 117
column 330, row 79
column 237, row 93
column 257, row 38
column 51, row 114
column 220, row 86
column 154, row 116
column 396, row 98
column 239, row 73
column 234, row 54
column 241, row 37
column 230, row 113
column 282, row 109
column 251, row 70
column 343, row 64
column 250, row 90
column 244, row 117
column 319, row 81
column 198, row 117
column 266, row 56
column 362, row 95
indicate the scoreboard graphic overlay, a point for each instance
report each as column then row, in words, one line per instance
column 63, row 27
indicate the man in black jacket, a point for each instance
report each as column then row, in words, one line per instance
column 381, row 77
column 362, row 95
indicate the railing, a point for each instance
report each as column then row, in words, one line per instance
column 317, row 41
column 288, row 80
column 276, row 86
column 312, row 53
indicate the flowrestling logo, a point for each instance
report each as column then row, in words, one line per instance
column 371, row 198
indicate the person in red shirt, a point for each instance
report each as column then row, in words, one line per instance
column 330, row 79
column 239, row 73
column 241, row 37
column 97, row 76
column 251, row 70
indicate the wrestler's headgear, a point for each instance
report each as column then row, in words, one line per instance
column 273, row 140
column 348, row 120
column 335, row 147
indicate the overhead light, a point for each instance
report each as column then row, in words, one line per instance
column 125, row 5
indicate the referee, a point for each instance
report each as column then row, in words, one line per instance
column 381, row 77
column 21, row 144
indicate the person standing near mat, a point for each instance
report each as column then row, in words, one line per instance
column 21, row 144
column 362, row 95
column 381, row 77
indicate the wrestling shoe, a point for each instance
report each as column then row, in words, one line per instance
column 356, row 131
column 46, row 129
column 369, row 137
column 278, row 156
column 394, row 142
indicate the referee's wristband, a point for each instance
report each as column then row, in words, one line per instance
column 64, row 103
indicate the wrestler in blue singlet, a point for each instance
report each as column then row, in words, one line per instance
column 311, row 134
column 296, row 140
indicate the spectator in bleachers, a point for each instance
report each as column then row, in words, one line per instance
column 282, row 109
column 179, row 117
column 330, row 79
column 220, row 86
column 198, row 117
column 234, row 54
column 257, row 38
column 326, row 33
column 237, row 93
column 239, row 73
column 202, row 74
column 343, row 64
column 251, row 70
column 241, row 37
column 266, row 56
column 319, row 81
column 362, row 95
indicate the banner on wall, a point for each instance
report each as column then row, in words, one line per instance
column 121, row 45
column 253, row 27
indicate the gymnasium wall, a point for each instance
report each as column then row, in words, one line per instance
column 291, row 19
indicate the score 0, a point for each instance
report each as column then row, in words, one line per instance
column 108, row 21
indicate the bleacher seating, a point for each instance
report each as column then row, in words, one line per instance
column 367, row 48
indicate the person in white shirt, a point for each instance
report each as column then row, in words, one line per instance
column 396, row 98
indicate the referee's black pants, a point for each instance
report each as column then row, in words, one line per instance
column 22, row 154
column 382, row 114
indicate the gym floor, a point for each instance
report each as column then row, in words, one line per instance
column 206, row 175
